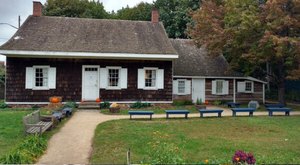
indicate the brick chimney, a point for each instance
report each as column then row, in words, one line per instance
column 155, row 16
column 37, row 8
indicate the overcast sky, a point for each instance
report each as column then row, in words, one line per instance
column 10, row 9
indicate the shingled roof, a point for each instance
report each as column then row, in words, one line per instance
column 63, row 34
column 194, row 61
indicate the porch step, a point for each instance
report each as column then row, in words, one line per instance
column 89, row 105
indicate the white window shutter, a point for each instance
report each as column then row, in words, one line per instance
column 141, row 79
column 103, row 77
column 29, row 78
column 213, row 87
column 241, row 86
column 160, row 79
column 52, row 78
column 225, row 88
column 175, row 87
column 123, row 78
column 188, row 87
column 252, row 83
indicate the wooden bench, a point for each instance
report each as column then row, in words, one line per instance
column 202, row 111
column 285, row 110
column 274, row 105
column 131, row 113
column 233, row 105
column 235, row 110
column 185, row 112
column 33, row 123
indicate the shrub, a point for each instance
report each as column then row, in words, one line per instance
column 70, row 104
column 139, row 104
column 26, row 152
column 241, row 157
column 182, row 102
column 104, row 105
column 199, row 101
column 217, row 102
column 3, row 105
column 34, row 107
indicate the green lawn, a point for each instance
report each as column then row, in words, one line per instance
column 270, row 139
column 157, row 110
column 11, row 129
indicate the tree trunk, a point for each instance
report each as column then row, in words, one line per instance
column 281, row 82
column 281, row 91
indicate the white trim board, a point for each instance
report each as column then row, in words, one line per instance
column 54, row 54
column 215, row 77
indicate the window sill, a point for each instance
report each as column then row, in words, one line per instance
column 150, row 88
column 181, row 94
column 113, row 88
column 41, row 88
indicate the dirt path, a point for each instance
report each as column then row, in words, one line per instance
column 73, row 143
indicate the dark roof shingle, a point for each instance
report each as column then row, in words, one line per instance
column 194, row 61
column 90, row 35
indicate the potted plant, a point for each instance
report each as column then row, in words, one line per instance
column 114, row 108
column 199, row 104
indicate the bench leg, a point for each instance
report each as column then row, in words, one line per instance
column 233, row 114
column 270, row 113
column 201, row 114
column 219, row 114
column 186, row 116
column 287, row 113
column 130, row 117
column 150, row 117
column 167, row 116
column 250, row 113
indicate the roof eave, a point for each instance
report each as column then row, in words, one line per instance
column 84, row 55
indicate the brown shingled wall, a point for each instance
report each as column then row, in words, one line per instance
column 69, row 79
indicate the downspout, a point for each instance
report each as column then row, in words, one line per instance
column 234, row 100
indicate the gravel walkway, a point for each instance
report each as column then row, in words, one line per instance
column 73, row 143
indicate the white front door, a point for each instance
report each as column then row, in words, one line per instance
column 198, row 90
column 90, row 82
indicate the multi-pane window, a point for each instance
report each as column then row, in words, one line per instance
column 150, row 78
column 113, row 77
column 41, row 77
column 219, row 87
column 248, row 86
column 181, row 86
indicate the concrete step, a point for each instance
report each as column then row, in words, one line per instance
column 89, row 105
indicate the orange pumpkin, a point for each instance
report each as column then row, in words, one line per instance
column 98, row 100
column 206, row 102
column 54, row 100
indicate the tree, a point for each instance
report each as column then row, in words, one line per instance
column 175, row 15
column 75, row 8
column 251, row 33
column 141, row 12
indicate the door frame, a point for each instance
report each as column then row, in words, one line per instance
column 204, row 90
column 83, row 74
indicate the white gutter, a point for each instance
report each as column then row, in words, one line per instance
column 54, row 54
column 223, row 77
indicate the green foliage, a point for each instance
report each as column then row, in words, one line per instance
column 199, row 101
column 139, row 104
column 175, row 15
column 104, row 105
column 217, row 102
column 182, row 102
column 26, row 152
column 141, row 12
column 3, row 105
column 34, row 107
column 70, row 104
column 75, row 8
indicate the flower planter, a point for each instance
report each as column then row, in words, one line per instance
column 114, row 110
